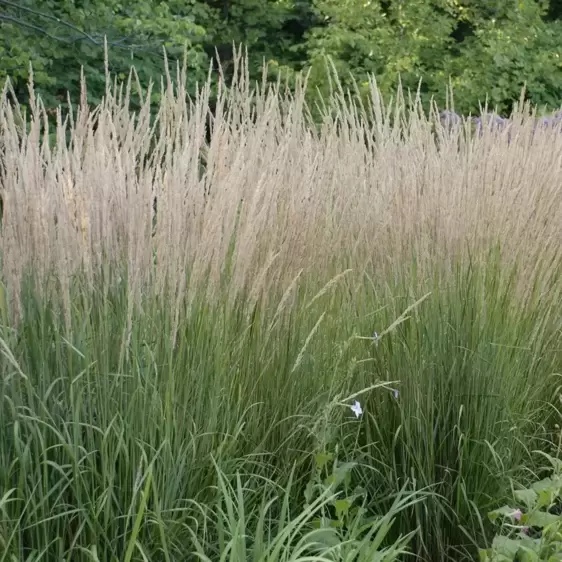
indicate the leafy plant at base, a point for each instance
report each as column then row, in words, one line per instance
column 536, row 533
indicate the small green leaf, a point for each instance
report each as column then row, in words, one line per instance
column 330, row 480
column 322, row 459
column 544, row 499
column 342, row 507
column 484, row 555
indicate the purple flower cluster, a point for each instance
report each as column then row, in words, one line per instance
column 449, row 119
column 549, row 122
column 493, row 122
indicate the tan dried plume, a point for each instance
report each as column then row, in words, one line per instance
column 269, row 195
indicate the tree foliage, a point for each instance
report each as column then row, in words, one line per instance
column 60, row 36
column 484, row 49
column 481, row 48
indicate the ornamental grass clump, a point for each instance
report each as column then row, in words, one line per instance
column 164, row 367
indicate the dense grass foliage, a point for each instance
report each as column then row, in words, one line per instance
column 177, row 385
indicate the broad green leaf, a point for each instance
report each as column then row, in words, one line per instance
column 527, row 497
column 505, row 511
column 540, row 519
column 506, row 547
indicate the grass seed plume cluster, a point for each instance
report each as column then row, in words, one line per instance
column 248, row 335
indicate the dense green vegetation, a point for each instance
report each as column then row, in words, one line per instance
column 482, row 48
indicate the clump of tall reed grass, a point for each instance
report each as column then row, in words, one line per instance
column 169, row 373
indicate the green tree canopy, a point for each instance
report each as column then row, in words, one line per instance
column 483, row 48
